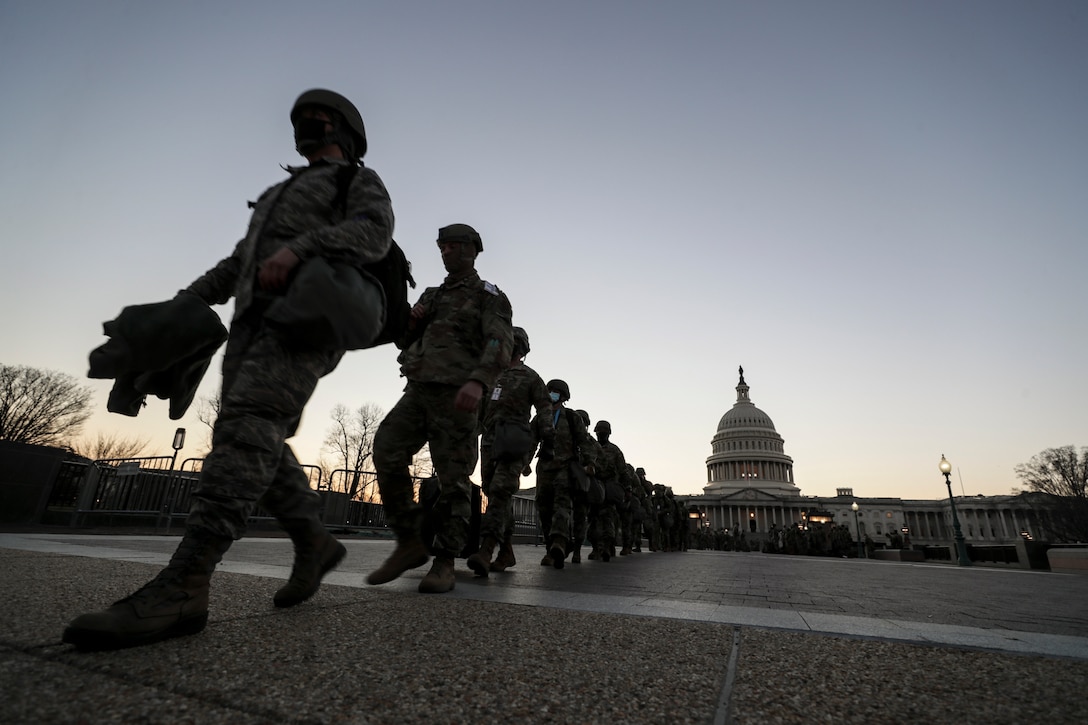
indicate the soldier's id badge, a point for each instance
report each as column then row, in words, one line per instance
column 496, row 393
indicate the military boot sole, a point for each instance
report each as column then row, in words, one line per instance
column 558, row 556
column 288, row 596
column 394, row 566
column 438, row 581
column 500, row 565
column 478, row 565
column 88, row 639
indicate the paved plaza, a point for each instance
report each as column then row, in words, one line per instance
column 695, row 637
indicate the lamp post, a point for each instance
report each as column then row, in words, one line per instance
column 961, row 545
column 177, row 444
column 861, row 545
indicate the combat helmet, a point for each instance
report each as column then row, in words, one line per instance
column 560, row 387
column 342, row 106
column 461, row 233
column 603, row 425
column 521, row 340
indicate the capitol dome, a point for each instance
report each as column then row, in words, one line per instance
column 747, row 451
column 748, row 416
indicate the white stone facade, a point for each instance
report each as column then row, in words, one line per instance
column 750, row 485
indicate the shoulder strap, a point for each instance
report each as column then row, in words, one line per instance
column 345, row 174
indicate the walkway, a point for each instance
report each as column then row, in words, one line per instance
column 699, row 637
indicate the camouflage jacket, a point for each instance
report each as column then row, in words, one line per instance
column 517, row 391
column 298, row 213
column 636, row 486
column 466, row 334
column 612, row 465
column 571, row 443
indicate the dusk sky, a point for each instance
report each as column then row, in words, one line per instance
column 879, row 209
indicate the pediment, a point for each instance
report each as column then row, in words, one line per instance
column 748, row 495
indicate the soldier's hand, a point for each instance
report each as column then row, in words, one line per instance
column 468, row 397
column 590, row 469
column 276, row 270
column 528, row 470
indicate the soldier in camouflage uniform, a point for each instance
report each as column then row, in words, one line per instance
column 267, row 381
column 459, row 343
column 663, row 516
column 553, row 484
column 611, row 468
column 673, row 533
column 649, row 518
column 632, row 517
column 518, row 390
column 581, row 510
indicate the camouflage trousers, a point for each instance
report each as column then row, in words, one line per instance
column 632, row 525
column 266, row 385
column 649, row 527
column 501, row 480
column 579, row 524
column 553, row 502
column 425, row 414
column 603, row 526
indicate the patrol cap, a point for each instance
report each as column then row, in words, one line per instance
column 334, row 101
column 461, row 233
column 603, row 425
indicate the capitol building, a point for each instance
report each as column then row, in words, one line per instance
column 751, row 488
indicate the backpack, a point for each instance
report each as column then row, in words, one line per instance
column 393, row 271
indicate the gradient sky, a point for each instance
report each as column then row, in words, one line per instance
column 879, row 209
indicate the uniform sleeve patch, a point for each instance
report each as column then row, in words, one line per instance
column 491, row 288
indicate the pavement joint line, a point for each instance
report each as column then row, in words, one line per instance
column 722, row 713
column 811, row 622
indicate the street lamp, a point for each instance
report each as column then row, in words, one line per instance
column 177, row 444
column 861, row 546
column 961, row 545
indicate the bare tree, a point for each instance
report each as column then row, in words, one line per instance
column 350, row 440
column 42, row 407
column 207, row 412
column 1060, row 476
column 109, row 445
column 422, row 465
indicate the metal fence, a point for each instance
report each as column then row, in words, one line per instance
column 156, row 491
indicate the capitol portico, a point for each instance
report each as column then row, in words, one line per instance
column 751, row 489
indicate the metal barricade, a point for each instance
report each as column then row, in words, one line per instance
column 125, row 487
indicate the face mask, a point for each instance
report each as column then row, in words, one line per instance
column 309, row 134
column 554, row 396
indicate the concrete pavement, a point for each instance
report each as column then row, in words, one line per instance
column 700, row 637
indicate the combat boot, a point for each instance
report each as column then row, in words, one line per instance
column 505, row 559
column 439, row 579
column 576, row 555
column 409, row 554
column 317, row 552
column 625, row 551
column 558, row 551
column 480, row 562
column 173, row 604
column 547, row 560
column 605, row 553
column 593, row 555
